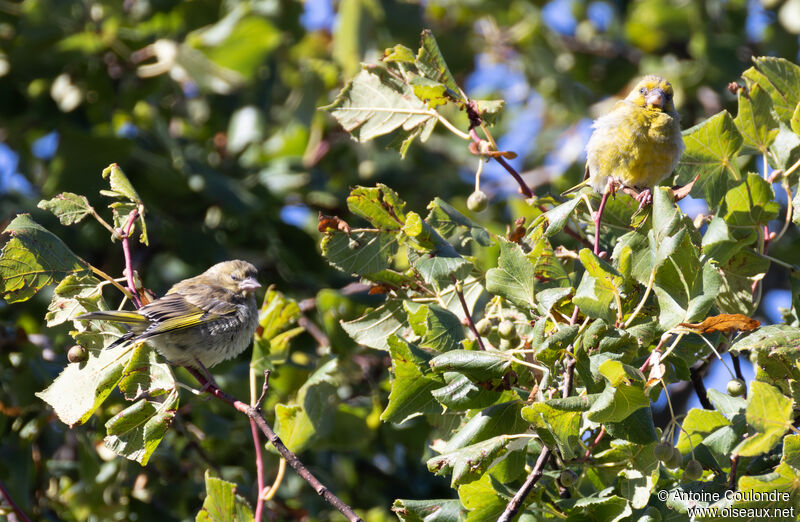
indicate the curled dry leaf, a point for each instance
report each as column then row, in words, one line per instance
column 332, row 223
column 723, row 323
column 518, row 232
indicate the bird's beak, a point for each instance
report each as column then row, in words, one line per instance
column 249, row 285
column 656, row 98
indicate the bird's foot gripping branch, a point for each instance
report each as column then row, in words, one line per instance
column 113, row 353
column 538, row 362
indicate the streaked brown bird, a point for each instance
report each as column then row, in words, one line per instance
column 201, row 321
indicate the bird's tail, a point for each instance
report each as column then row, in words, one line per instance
column 117, row 316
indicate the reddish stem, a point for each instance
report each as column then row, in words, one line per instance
column 126, row 250
column 14, row 507
column 524, row 188
column 259, row 471
column 289, row 456
column 597, row 218
column 464, row 306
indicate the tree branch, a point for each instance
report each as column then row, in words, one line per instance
column 463, row 301
column 700, row 388
column 126, row 250
column 516, row 503
column 291, row 458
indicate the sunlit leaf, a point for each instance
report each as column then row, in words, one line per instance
column 32, row 258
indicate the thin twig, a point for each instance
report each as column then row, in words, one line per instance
column 314, row 331
column 256, row 403
column 700, row 389
column 463, row 301
column 126, row 250
column 732, row 479
column 290, row 457
column 14, row 507
column 516, row 503
column 737, row 369
column 259, row 471
column 595, row 442
column 111, row 280
column 523, row 187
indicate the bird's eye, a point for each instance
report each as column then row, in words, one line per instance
column 669, row 96
column 235, row 277
column 643, row 90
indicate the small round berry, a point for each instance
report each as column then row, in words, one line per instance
column 77, row 354
column 478, row 201
column 736, row 388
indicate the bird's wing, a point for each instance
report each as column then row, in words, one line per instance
column 177, row 310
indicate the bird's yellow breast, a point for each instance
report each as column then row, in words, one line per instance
column 633, row 145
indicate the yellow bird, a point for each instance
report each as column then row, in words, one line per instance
column 636, row 145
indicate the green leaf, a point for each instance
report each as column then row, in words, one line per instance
column 374, row 328
column 82, row 387
column 768, row 339
column 558, row 216
column 435, row 510
column 720, row 244
column 379, row 205
column 412, row 384
column 781, row 79
column 293, row 426
column 455, row 226
column 478, row 366
column 725, row 404
column 769, row 413
column 696, row 426
column 685, row 286
column 145, row 376
column 598, row 287
column 609, row 509
column 308, row 418
column 75, row 294
column 122, row 189
column 514, row 278
column 438, row 328
column 618, row 373
column 429, row 91
column 432, row 64
column 637, row 428
column 616, row 404
column 136, row 431
column 32, row 258
column 376, row 102
column 363, row 253
column 750, row 203
column 737, row 278
column 438, row 267
column 755, row 121
column 636, row 487
column 222, row 504
column 69, row 208
column 555, row 426
column 460, row 394
column 498, row 419
column 246, row 47
column 711, row 150
column 271, row 342
column 469, row 462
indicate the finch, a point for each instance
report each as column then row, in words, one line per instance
column 201, row 321
column 636, row 145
